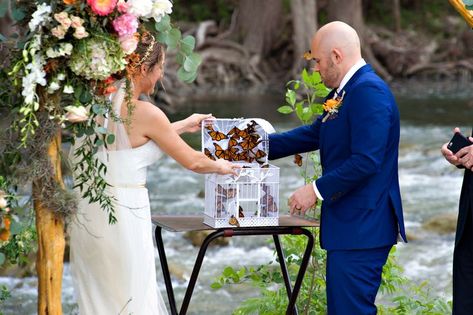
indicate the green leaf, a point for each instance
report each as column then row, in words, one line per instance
column 162, row 37
column 99, row 142
column 285, row 109
column 15, row 227
column 186, row 76
column 299, row 110
column 469, row 7
column 2, row 258
column 110, row 139
column 187, row 44
column 174, row 36
column 291, row 97
column 101, row 130
column 216, row 286
column 192, row 62
column 97, row 109
column 180, row 58
column 228, row 272
column 164, row 25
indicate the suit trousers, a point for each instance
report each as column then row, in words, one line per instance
column 463, row 270
column 353, row 280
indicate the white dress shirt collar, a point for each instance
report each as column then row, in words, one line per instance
column 360, row 63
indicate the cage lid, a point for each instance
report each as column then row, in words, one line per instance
column 237, row 139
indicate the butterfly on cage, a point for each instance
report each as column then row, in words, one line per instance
column 215, row 135
column 233, row 142
column 221, row 153
column 233, row 221
column 264, row 165
column 298, row 160
column 268, row 204
column 308, row 55
column 251, row 126
column 236, row 132
column 220, row 207
column 228, row 193
column 209, row 154
column 241, row 214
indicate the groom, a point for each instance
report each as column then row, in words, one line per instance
column 358, row 139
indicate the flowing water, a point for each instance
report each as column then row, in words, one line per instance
column 430, row 186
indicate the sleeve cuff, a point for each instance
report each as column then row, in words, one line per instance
column 317, row 192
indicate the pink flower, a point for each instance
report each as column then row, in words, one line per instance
column 59, row 31
column 102, row 7
column 128, row 43
column 80, row 33
column 63, row 18
column 76, row 21
column 122, row 6
column 125, row 24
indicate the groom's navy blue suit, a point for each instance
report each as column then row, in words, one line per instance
column 361, row 213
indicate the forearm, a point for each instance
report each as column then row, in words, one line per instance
column 179, row 127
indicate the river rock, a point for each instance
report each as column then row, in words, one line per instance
column 443, row 223
column 197, row 238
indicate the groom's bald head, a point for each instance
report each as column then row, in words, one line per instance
column 339, row 43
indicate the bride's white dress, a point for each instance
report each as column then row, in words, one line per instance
column 113, row 266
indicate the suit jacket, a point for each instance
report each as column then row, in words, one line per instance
column 466, row 203
column 359, row 157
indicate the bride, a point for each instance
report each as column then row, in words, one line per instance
column 113, row 266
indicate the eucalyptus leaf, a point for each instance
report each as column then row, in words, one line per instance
column 162, row 37
column 187, row 44
column 2, row 258
column 17, row 14
column 15, row 227
column 174, row 35
column 101, row 130
column 180, row 58
column 186, row 76
column 469, row 7
column 99, row 143
column 164, row 25
column 192, row 62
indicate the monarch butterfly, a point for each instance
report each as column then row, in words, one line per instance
column 240, row 212
column 268, row 204
column 234, row 221
column 235, row 131
column 249, row 143
column 232, row 142
column 215, row 135
column 251, row 127
column 227, row 193
column 209, row 154
column 298, row 159
column 265, row 165
column 308, row 55
column 221, row 153
column 259, row 154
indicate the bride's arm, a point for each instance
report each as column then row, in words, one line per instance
column 191, row 123
column 154, row 124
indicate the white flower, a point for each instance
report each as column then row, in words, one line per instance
column 34, row 75
column 3, row 202
column 80, row 33
column 64, row 49
column 53, row 86
column 61, row 77
column 40, row 17
column 63, row 19
column 76, row 21
column 76, row 113
column 140, row 8
column 59, row 31
column 160, row 9
column 68, row 89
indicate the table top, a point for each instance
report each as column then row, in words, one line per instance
column 184, row 223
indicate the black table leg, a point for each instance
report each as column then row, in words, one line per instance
column 285, row 273
column 165, row 268
column 196, row 269
column 302, row 269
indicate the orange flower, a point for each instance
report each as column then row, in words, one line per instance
column 102, row 7
column 6, row 223
column 69, row 2
column 331, row 104
column 4, row 235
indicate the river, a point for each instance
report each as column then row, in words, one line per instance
column 429, row 186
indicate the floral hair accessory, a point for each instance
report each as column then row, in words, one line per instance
column 148, row 51
column 332, row 105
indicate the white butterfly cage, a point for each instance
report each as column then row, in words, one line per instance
column 252, row 197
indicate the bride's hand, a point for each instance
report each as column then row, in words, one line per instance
column 225, row 167
column 193, row 123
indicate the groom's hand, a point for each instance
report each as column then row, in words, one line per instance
column 302, row 199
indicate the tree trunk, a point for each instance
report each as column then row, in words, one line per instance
column 304, row 23
column 466, row 14
column 397, row 15
column 351, row 12
column 259, row 24
column 51, row 242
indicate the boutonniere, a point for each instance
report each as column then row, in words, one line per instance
column 332, row 105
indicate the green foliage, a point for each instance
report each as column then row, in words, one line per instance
column 4, row 295
column 307, row 106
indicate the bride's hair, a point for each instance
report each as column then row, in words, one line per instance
column 149, row 51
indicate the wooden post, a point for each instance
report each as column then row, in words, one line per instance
column 466, row 14
column 51, row 242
